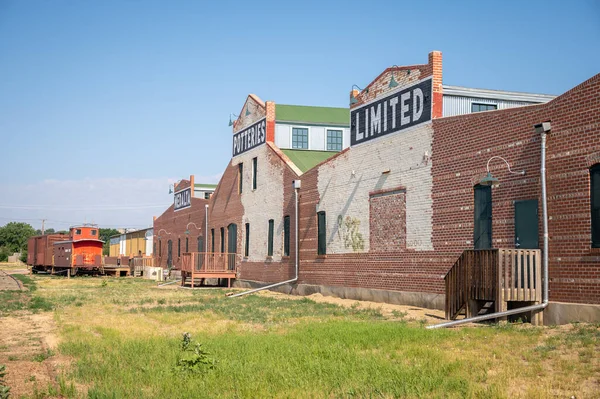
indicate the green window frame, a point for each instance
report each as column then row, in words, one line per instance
column 335, row 140
column 187, row 248
column 478, row 107
column 222, row 239
column 200, row 244
column 179, row 247
column 240, row 177
column 247, row 246
column 482, row 231
column 212, row 234
column 300, row 138
column 270, row 242
column 286, row 236
column 321, row 233
column 595, row 204
column 254, row 172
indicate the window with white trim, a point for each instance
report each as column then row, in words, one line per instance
column 300, row 138
column 335, row 140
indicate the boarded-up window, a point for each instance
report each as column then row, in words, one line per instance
column 387, row 221
column 187, row 248
column 595, row 204
column 200, row 244
column 321, row 233
column 286, row 236
column 482, row 232
column 270, row 242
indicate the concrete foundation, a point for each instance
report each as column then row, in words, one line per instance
column 564, row 313
column 418, row 299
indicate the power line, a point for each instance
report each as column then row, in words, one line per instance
column 99, row 208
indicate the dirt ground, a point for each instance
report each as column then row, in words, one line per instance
column 388, row 310
column 25, row 343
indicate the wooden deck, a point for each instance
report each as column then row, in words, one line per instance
column 497, row 276
column 198, row 266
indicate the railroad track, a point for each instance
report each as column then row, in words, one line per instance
column 9, row 283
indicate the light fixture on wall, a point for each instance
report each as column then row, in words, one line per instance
column 393, row 82
column 158, row 234
column 231, row 120
column 489, row 180
column 353, row 99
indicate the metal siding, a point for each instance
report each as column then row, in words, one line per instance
column 282, row 136
column 456, row 105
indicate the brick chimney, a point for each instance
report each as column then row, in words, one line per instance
column 435, row 62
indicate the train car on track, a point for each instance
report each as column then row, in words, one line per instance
column 80, row 252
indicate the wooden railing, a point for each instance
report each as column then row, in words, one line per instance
column 521, row 274
column 208, row 262
column 497, row 275
column 142, row 261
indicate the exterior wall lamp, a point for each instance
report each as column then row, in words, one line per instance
column 158, row 234
column 393, row 82
column 231, row 119
column 187, row 232
column 353, row 99
column 489, row 179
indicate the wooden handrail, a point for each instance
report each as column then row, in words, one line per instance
column 208, row 262
column 492, row 275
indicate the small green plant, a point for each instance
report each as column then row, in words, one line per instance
column 104, row 283
column 40, row 357
column 12, row 358
column 193, row 359
column 4, row 390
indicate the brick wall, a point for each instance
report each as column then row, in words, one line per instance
column 387, row 215
column 172, row 225
column 438, row 164
column 462, row 145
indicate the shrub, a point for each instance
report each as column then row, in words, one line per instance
column 4, row 390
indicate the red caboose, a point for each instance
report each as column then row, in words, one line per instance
column 81, row 250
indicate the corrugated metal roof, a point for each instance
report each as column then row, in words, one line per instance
column 496, row 94
column 314, row 115
column 306, row 159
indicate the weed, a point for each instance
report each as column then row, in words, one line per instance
column 398, row 314
column 12, row 358
column 104, row 283
column 161, row 301
column 4, row 390
column 40, row 357
column 193, row 360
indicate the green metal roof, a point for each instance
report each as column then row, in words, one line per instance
column 205, row 185
column 316, row 115
column 305, row 159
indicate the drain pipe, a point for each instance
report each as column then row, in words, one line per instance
column 542, row 129
column 296, row 185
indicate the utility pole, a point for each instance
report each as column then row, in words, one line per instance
column 43, row 220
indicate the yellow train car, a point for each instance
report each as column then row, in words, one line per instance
column 130, row 244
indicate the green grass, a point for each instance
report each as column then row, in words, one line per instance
column 12, row 301
column 124, row 336
column 333, row 358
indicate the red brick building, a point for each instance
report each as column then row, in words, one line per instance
column 387, row 218
column 181, row 227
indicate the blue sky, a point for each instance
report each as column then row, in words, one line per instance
column 104, row 103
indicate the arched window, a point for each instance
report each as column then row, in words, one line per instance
column 595, row 204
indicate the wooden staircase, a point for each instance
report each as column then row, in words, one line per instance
column 490, row 280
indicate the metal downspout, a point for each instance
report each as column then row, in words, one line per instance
column 544, row 303
column 283, row 282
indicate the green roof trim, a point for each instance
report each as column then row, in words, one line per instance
column 305, row 159
column 316, row 115
column 205, row 185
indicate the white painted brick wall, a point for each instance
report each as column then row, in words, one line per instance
column 262, row 204
column 347, row 194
